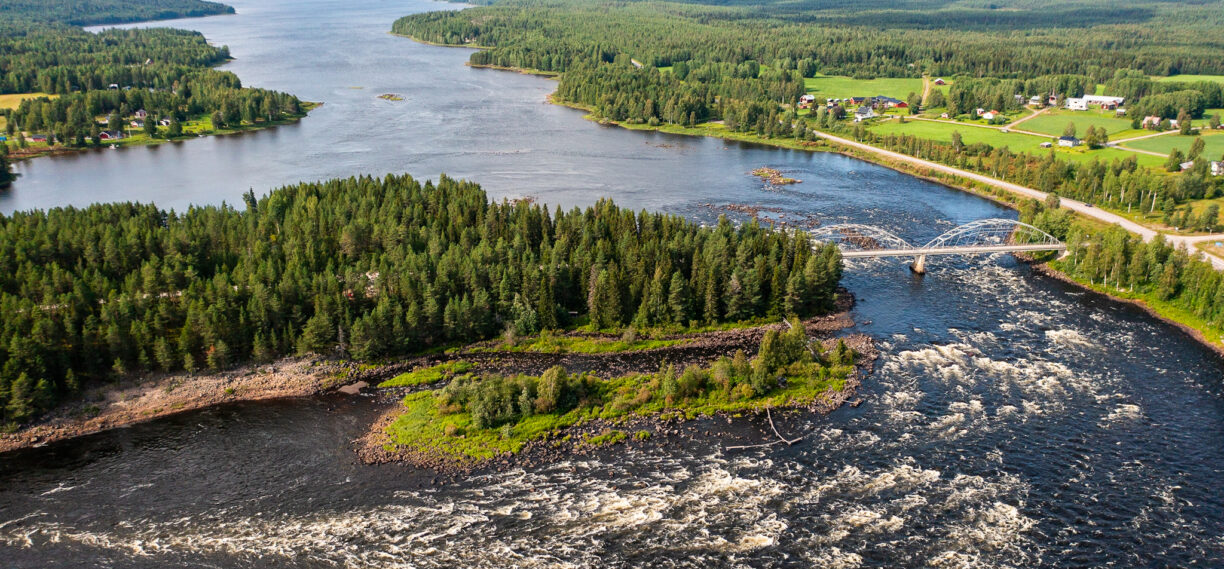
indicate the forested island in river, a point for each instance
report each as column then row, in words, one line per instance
column 372, row 269
column 65, row 89
column 960, row 85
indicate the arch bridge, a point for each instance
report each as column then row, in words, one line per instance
column 981, row 237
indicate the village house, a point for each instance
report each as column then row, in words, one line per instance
column 863, row 113
column 110, row 135
column 1187, row 165
column 943, row 115
column 140, row 114
column 1068, row 141
column 1150, row 121
column 940, row 81
column 979, row 111
column 1035, row 100
column 1047, row 145
column 990, row 115
column 164, row 122
column 1217, row 168
column 137, row 124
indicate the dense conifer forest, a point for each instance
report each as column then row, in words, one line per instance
column 104, row 79
column 364, row 266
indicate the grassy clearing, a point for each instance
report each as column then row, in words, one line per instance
column 839, row 87
column 1166, row 144
column 1190, row 78
column 427, row 375
column 13, row 100
column 1053, row 122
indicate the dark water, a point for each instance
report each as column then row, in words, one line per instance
column 1011, row 422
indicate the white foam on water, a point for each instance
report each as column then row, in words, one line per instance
column 1123, row 413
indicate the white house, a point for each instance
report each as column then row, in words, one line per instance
column 1217, row 168
column 1068, row 141
column 1187, row 165
column 140, row 114
column 990, row 115
column 1077, row 104
column 863, row 113
column 1035, row 100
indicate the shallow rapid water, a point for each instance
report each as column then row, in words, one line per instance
column 1012, row 421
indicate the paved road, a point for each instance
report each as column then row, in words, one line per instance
column 1146, row 233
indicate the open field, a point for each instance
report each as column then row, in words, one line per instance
column 1191, row 78
column 838, row 87
column 1053, row 122
column 1017, row 142
column 11, row 101
column 1166, row 144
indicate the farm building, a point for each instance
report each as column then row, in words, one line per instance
column 1077, row 104
column 1068, row 141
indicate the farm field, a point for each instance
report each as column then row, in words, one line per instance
column 1017, row 142
column 1166, row 144
column 1053, row 123
column 838, row 87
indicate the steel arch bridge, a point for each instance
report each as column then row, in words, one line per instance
column 981, row 237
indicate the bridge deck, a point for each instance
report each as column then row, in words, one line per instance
column 963, row 250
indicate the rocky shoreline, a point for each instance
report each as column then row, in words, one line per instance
column 136, row 401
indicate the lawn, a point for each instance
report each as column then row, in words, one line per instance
column 838, row 87
column 1053, row 122
column 1165, row 144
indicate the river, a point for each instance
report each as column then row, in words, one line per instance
column 1012, row 420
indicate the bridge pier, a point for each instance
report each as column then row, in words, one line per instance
column 919, row 265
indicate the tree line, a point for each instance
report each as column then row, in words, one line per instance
column 369, row 267
column 942, row 38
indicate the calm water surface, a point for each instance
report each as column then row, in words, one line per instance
column 1011, row 421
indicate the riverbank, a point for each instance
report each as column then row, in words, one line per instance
column 140, row 139
column 621, row 405
column 140, row 400
column 1195, row 327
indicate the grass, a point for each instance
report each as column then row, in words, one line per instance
column 1017, row 142
column 1165, row 144
column 13, row 100
column 942, row 131
column 839, row 87
column 1191, row 78
column 425, row 428
column 433, row 374
column 1053, row 122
